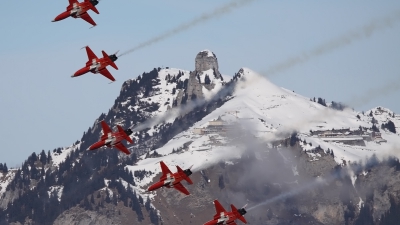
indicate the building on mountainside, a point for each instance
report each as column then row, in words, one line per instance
column 198, row 130
column 377, row 137
column 217, row 126
column 348, row 140
column 333, row 132
column 216, row 140
column 349, row 137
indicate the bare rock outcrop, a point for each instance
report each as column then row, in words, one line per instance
column 79, row 216
column 206, row 60
column 202, row 78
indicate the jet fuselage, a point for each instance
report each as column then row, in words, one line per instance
column 227, row 217
column 96, row 65
column 170, row 180
column 110, row 140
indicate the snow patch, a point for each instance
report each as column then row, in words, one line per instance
column 57, row 189
column 209, row 53
column 5, row 180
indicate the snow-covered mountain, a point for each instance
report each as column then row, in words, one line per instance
column 218, row 124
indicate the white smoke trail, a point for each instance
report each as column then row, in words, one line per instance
column 224, row 9
column 168, row 115
column 346, row 39
column 309, row 186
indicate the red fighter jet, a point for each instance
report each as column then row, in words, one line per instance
column 96, row 65
column 224, row 217
column 111, row 139
column 170, row 180
column 79, row 10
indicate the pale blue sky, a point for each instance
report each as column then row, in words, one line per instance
column 44, row 108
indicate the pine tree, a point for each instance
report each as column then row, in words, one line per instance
column 321, row 101
column 147, row 204
column 108, row 200
column 390, row 126
column 43, row 157
column 32, row 159
column 374, row 128
column 293, row 139
column 141, row 200
column 48, row 157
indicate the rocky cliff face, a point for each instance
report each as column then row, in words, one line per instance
column 206, row 60
column 205, row 79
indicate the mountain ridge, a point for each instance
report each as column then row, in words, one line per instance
column 262, row 116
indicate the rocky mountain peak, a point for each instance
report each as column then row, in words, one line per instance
column 206, row 60
column 204, row 81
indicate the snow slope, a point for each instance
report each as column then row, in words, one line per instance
column 264, row 110
column 269, row 113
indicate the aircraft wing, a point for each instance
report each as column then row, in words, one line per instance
column 122, row 148
column 219, row 209
column 181, row 188
column 164, row 169
column 85, row 16
column 107, row 74
column 106, row 128
column 90, row 56
column 71, row 4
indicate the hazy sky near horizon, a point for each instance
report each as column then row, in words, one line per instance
column 44, row 108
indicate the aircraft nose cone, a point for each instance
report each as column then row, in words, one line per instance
column 53, row 21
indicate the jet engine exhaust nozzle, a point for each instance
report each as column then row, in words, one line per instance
column 128, row 132
column 113, row 57
column 188, row 172
column 94, row 2
column 242, row 211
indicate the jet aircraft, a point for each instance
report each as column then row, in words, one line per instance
column 169, row 179
column 113, row 139
column 77, row 9
column 224, row 217
column 96, row 65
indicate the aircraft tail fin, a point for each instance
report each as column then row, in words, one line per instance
column 239, row 213
column 90, row 54
column 92, row 6
column 185, row 176
column 110, row 62
column 164, row 169
column 106, row 128
column 124, row 133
